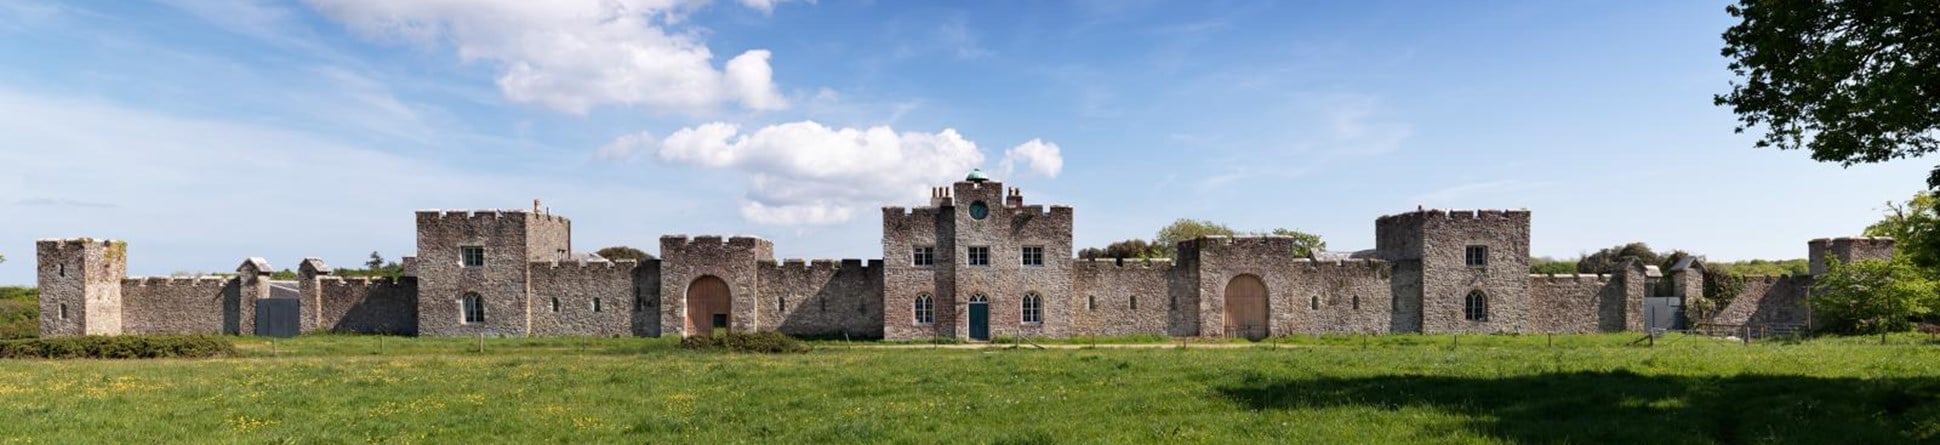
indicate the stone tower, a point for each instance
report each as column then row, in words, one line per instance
column 80, row 286
column 1847, row 250
column 1443, row 257
column 483, row 254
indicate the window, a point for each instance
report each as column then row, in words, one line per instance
column 1134, row 302
column 473, row 307
column 63, row 268
column 1357, row 302
column 473, row 256
column 1091, row 303
column 1477, row 308
column 925, row 309
column 781, row 304
column 1173, row 304
column 1315, row 303
column 598, row 306
column 1033, row 308
column 63, row 311
column 923, row 256
column 1034, row 255
column 1478, row 256
column 980, row 256
column 555, row 304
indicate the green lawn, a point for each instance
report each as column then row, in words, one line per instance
column 1410, row 388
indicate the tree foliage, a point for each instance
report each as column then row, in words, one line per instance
column 623, row 253
column 1127, row 249
column 1871, row 296
column 1547, row 265
column 1851, row 80
column 1304, row 244
column 1187, row 228
column 375, row 262
column 1914, row 227
column 1610, row 260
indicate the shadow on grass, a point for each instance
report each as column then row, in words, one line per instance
column 1623, row 407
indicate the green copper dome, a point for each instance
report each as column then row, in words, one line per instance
column 977, row 176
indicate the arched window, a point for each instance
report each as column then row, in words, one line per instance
column 1033, row 308
column 555, row 304
column 1477, row 307
column 598, row 306
column 925, row 309
column 473, row 307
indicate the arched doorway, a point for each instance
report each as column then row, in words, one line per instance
column 1246, row 307
column 708, row 305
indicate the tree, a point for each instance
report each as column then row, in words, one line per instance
column 1304, row 244
column 1914, row 227
column 1611, row 259
column 1850, row 80
column 375, row 263
column 1547, row 265
column 1871, row 296
column 1185, row 229
column 623, row 253
column 1131, row 248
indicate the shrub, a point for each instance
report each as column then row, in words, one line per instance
column 759, row 342
column 1871, row 296
column 117, row 347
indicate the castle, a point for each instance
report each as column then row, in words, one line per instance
column 975, row 263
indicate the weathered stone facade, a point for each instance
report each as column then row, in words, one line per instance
column 982, row 262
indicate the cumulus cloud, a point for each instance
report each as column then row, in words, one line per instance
column 1036, row 156
column 575, row 55
column 765, row 6
column 628, row 147
column 808, row 173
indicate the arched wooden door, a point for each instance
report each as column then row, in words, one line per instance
column 1246, row 307
column 708, row 305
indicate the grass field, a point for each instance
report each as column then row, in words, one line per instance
column 1408, row 388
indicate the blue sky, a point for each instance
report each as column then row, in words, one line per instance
column 206, row 131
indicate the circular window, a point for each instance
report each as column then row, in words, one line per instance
column 978, row 210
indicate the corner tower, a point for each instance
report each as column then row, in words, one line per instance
column 80, row 286
column 473, row 268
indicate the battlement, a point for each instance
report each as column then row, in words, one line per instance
column 1852, row 240
column 492, row 214
column 1310, row 262
column 1456, row 214
column 1568, row 277
column 358, row 281
column 1126, row 263
column 738, row 242
column 175, row 281
column 583, row 263
column 1238, row 241
column 794, row 264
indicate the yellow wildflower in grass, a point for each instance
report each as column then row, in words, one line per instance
column 585, row 423
column 244, row 423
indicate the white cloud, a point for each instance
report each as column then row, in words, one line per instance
column 765, row 6
column 1037, row 156
column 807, row 173
column 627, row 147
column 575, row 55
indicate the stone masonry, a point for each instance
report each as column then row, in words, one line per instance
column 976, row 247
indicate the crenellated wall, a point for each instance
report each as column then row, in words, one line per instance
column 584, row 298
column 1122, row 297
column 1439, row 240
column 823, row 298
column 1347, row 296
column 685, row 260
column 367, row 305
column 1769, row 300
column 173, row 305
column 1581, row 303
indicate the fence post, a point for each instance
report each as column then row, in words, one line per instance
column 481, row 342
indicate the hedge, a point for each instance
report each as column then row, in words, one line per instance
column 118, row 347
column 759, row 342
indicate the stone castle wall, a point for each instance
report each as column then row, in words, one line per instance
column 646, row 297
column 822, row 298
column 1768, row 300
column 684, row 260
column 1122, row 297
column 200, row 305
column 443, row 279
column 902, row 231
column 595, row 298
column 365, row 305
column 1440, row 242
column 1350, row 296
column 1582, row 303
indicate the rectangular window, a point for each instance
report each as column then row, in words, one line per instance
column 597, row 306
column 1478, row 256
column 473, row 256
column 1034, row 255
column 923, row 256
column 980, row 256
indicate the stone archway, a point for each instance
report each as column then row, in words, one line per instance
column 1246, row 308
column 709, row 306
